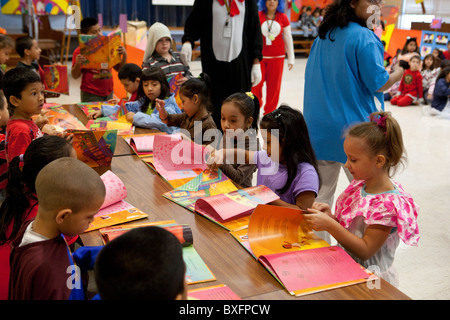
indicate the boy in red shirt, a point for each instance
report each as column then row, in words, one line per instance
column 96, row 84
column 4, row 117
column 24, row 92
column 410, row 90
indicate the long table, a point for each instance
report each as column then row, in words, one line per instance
column 227, row 259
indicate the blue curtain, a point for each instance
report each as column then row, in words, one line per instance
column 141, row 10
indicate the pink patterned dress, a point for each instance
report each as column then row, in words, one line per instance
column 356, row 209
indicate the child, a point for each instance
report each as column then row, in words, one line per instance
column 307, row 24
column 21, row 203
column 410, row 89
column 287, row 165
column 446, row 53
column 441, row 90
column 374, row 211
column 195, row 99
column 276, row 30
column 409, row 49
column 159, row 53
column 4, row 117
column 143, row 264
column 96, row 84
column 130, row 76
column 23, row 91
column 6, row 47
column 239, row 119
column 29, row 52
column 152, row 86
column 429, row 74
column 70, row 193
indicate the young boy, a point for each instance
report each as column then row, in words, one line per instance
column 70, row 193
column 143, row 264
column 6, row 47
column 96, row 84
column 4, row 117
column 410, row 89
column 159, row 53
column 130, row 76
column 29, row 52
column 24, row 93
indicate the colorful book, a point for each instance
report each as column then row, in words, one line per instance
column 95, row 148
column 55, row 79
column 101, row 52
column 114, row 210
column 196, row 269
column 61, row 119
column 302, row 262
column 123, row 128
column 218, row 292
column 175, row 87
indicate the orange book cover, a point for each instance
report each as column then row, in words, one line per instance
column 101, row 52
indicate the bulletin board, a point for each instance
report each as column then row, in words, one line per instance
column 432, row 40
column 52, row 7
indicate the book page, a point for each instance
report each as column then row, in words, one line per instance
column 218, row 292
column 115, row 189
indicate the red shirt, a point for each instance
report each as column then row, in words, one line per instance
column 95, row 81
column 3, row 162
column 276, row 29
column 446, row 54
column 19, row 134
column 411, row 84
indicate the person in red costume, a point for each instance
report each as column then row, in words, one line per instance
column 410, row 90
column 277, row 40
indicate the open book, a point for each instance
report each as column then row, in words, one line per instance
column 55, row 79
column 217, row 292
column 303, row 263
column 142, row 144
column 196, row 269
column 101, row 52
column 60, row 118
column 115, row 210
column 95, row 148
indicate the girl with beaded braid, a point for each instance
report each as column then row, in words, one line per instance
column 373, row 212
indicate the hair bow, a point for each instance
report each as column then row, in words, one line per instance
column 380, row 121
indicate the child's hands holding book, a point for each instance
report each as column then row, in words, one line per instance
column 95, row 114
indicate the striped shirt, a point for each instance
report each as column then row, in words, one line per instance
column 170, row 68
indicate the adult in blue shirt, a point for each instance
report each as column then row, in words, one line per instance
column 344, row 77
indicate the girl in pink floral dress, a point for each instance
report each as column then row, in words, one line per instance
column 374, row 212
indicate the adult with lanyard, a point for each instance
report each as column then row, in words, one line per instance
column 344, row 83
column 231, row 46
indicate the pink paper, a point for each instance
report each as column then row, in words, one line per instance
column 115, row 189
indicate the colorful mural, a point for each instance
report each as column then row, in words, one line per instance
column 52, row 7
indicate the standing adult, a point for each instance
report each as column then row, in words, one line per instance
column 277, row 41
column 230, row 44
column 344, row 77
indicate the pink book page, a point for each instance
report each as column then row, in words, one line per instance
column 219, row 292
column 311, row 268
column 115, row 189
column 173, row 157
column 144, row 143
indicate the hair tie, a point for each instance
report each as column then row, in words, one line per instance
column 278, row 117
column 21, row 158
column 380, row 121
column 250, row 94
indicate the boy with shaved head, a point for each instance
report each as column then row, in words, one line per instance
column 70, row 193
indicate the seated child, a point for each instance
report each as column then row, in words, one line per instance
column 239, row 119
column 410, row 89
column 287, row 165
column 23, row 91
column 6, row 47
column 143, row 264
column 441, row 90
column 28, row 50
column 4, row 117
column 70, row 193
column 159, row 53
column 152, row 86
column 195, row 99
column 130, row 76
column 21, row 202
column 374, row 212
column 429, row 75
column 96, row 84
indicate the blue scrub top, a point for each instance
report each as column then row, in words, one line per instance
column 341, row 80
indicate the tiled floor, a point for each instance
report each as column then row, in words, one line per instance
column 424, row 270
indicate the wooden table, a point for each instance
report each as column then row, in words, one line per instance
column 227, row 259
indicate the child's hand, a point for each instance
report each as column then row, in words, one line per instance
column 50, row 130
column 130, row 116
column 114, row 101
column 94, row 115
column 161, row 110
column 66, row 135
column 41, row 120
column 317, row 220
column 214, row 160
column 181, row 80
column 323, row 207
column 80, row 59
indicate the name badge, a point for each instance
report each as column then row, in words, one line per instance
column 268, row 41
column 227, row 29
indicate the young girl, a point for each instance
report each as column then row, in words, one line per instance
column 409, row 49
column 21, row 203
column 373, row 212
column 441, row 90
column 195, row 99
column 239, row 120
column 277, row 41
column 287, row 164
column 142, row 113
column 429, row 74
column 6, row 47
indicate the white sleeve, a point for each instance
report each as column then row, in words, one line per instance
column 289, row 44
